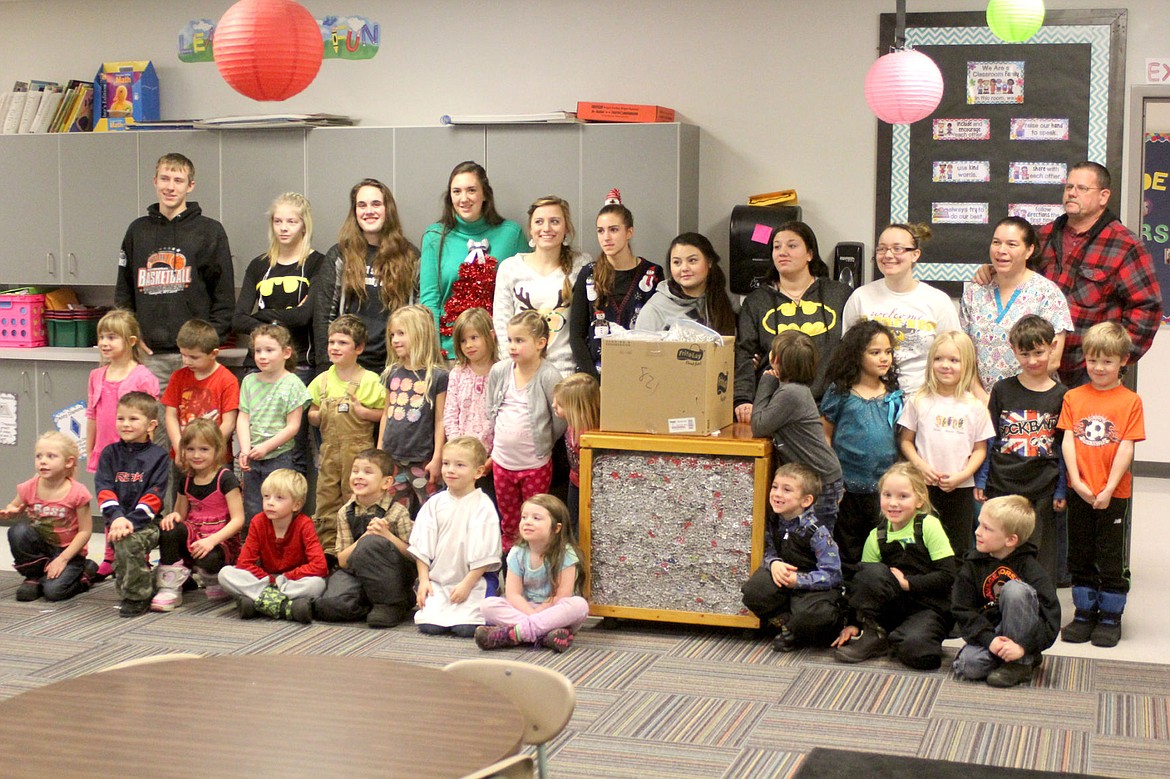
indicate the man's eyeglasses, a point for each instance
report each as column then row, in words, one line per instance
column 1081, row 189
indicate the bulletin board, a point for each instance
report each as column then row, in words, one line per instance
column 1013, row 117
column 1156, row 207
column 672, row 526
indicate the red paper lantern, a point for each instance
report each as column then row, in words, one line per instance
column 903, row 87
column 268, row 49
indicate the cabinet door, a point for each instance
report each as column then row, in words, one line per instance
column 525, row 163
column 17, row 398
column 30, row 219
column 257, row 166
column 423, row 159
column 99, row 198
column 336, row 158
column 62, row 389
column 656, row 168
column 199, row 146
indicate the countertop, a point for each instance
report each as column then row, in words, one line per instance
column 230, row 357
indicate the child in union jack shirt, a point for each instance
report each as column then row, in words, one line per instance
column 1024, row 457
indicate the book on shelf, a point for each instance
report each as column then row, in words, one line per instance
column 11, row 118
column 266, row 121
column 550, row 117
column 50, row 99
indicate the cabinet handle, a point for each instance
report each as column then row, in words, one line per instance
column 25, row 384
column 72, row 263
column 48, row 382
column 50, row 264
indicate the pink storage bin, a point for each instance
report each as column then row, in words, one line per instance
column 22, row 321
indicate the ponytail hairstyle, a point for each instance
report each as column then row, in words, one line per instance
column 65, row 446
column 279, row 333
column 816, row 266
column 395, row 263
column 304, row 211
column 603, row 270
column 560, row 539
column 720, row 315
column 920, row 233
column 565, row 260
column 534, row 323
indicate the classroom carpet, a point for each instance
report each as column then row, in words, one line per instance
column 677, row 701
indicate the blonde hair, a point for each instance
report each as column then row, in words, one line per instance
column 560, row 540
column 919, row 232
column 201, row 430
column 287, row 483
column 917, row 483
column 418, row 323
column 1014, row 513
column 305, row 213
column 966, row 348
column 66, row 446
column 122, row 323
column 533, row 323
column 565, row 258
column 471, row 445
column 1107, row 339
column 280, row 334
column 579, row 396
column 476, row 320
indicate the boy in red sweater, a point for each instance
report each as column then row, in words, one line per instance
column 282, row 565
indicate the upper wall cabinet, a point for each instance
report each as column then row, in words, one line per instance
column 69, row 198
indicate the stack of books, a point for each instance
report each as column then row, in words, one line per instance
column 47, row 107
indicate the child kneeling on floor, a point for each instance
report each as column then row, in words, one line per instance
column 901, row 593
column 1005, row 606
column 376, row 570
column 456, row 544
column 541, row 604
column 797, row 590
column 282, row 565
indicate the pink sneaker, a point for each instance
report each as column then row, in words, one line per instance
column 212, row 587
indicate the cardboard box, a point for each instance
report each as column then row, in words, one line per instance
column 124, row 93
column 666, row 387
column 623, row 112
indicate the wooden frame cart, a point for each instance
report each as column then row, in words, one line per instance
column 672, row 525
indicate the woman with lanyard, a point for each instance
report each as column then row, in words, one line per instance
column 612, row 290
column 282, row 286
column 375, row 267
column 987, row 312
column 796, row 295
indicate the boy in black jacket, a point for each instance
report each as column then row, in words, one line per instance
column 131, row 480
column 1004, row 604
column 175, row 265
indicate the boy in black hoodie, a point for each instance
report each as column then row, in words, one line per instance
column 1004, row 604
column 175, row 265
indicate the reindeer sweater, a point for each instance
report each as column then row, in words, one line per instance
column 520, row 287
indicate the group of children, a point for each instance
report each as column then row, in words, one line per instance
column 873, row 509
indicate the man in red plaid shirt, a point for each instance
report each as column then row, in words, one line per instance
column 1103, row 269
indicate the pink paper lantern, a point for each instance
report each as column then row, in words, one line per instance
column 903, row 87
column 268, row 49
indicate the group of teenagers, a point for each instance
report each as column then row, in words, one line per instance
column 435, row 458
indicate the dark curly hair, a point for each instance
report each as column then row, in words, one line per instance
column 845, row 363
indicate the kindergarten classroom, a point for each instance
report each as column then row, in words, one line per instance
column 769, row 96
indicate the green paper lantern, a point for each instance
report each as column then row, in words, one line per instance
column 1015, row 21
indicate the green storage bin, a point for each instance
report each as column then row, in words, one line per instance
column 73, row 332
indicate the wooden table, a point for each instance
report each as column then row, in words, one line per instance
column 258, row 716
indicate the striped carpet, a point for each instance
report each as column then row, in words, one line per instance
column 674, row 701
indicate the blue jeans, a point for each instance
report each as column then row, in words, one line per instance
column 1019, row 609
column 254, row 479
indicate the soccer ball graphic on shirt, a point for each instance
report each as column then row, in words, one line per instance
column 1096, row 431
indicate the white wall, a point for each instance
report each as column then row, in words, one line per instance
column 775, row 85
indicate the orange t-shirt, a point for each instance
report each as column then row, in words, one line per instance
column 1099, row 422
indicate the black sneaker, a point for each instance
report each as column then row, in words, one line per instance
column 247, row 607
column 133, row 608
column 300, row 610
column 383, row 616
column 1105, row 634
column 784, row 641
column 1079, row 631
column 29, row 590
column 873, row 642
column 1010, row 674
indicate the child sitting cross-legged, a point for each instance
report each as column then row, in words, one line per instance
column 282, row 565
column 376, row 570
column 456, row 545
column 901, row 593
column 797, row 590
column 544, row 575
column 1005, row 606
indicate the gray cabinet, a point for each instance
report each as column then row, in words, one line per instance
column 30, row 220
column 42, row 388
column 336, row 159
column 99, row 197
